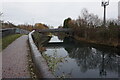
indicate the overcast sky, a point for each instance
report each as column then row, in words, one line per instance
column 53, row 12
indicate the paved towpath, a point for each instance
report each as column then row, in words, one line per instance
column 14, row 59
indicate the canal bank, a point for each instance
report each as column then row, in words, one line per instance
column 116, row 44
column 40, row 65
column 109, row 43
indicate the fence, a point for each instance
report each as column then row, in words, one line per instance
column 9, row 31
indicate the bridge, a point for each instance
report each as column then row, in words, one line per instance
column 68, row 30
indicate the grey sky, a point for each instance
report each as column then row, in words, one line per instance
column 52, row 13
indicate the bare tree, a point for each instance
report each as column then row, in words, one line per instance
column 90, row 19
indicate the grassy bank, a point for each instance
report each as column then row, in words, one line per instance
column 40, row 39
column 107, row 43
column 5, row 41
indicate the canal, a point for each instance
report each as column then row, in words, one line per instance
column 82, row 60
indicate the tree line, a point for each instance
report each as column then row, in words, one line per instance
column 89, row 27
column 28, row 27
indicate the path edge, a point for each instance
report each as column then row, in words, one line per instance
column 39, row 62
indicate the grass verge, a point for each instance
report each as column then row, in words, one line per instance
column 5, row 41
column 107, row 43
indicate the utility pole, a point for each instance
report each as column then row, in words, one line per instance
column 104, row 4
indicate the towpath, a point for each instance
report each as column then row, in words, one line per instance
column 14, row 59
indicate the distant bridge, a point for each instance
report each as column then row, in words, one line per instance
column 69, row 30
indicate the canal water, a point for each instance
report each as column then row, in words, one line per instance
column 82, row 60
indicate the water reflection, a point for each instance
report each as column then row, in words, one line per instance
column 84, row 60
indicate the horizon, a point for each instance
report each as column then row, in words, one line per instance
column 53, row 13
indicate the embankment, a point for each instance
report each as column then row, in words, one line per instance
column 39, row 62
column 111, row 44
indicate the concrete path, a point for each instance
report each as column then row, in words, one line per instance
column 14, row 59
